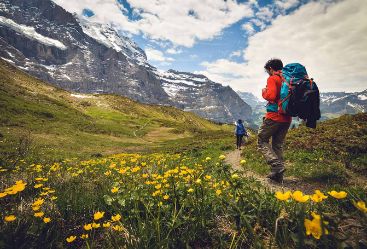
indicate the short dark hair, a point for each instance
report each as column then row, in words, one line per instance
column 275, row 64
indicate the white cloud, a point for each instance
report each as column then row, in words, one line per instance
column 330, row 39
column 284, row 5
column 105, row 11
column 249, row 28
column 236, row 53
column 156, row 55
column 264, row 14
column 167, row 20
column 174, row 51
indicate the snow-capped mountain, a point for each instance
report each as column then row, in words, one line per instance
column 251, row 99
column 257, row 105
column 77, row 54
column 343, row 103
column 197, row 93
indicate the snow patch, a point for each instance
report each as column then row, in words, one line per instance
column 362, row 97
column 8, row 60
column 356, row 107
column 172, row 89
column 82, row 96
column 31, row 33
column 106, row 35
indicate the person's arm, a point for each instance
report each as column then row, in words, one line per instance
column 270, row 92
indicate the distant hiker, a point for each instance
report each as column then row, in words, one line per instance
column 239, row 132
column 275, row 125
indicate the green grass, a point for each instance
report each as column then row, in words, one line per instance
column 47, row 133
column 324, row 154
column 41, row 122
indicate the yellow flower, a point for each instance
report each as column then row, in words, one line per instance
column 320, row 194
column 107, row 173
column 96, row 225
column 46, row 220
column 70, row 239
column 36, row 208
column 53, row 198
column 361, row 205
column 222, row 157
column 114, row 189
column 84, row 236
column 135, row 169
column 338, row 195
column 117, row 217
column 316, row 198
column 208, row 177
column 145, row 175
column 87, row 227
column 158, row 186
column 107, row 224
column 98, row 215
column 39, row 214
column 235, row 176
column 198, row 181
column 298, row 196
column 38, row 185
column 208, row 159
column 166, row 197
column 3, row 195
column 38, row 202
column 218, row 192
column 10, row 218
column 19, row 186
column 283, row 196
column 190, row 190
column 243, row 161
column 117, row 228
column 314, row 226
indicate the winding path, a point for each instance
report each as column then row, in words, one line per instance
column 290, row 183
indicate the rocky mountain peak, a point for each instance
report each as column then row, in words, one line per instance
column 78, row 54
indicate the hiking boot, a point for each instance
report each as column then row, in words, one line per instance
column 277, row 176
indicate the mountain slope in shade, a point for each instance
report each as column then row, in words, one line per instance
column 76, row 54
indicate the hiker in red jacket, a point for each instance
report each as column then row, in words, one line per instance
column 275, row 125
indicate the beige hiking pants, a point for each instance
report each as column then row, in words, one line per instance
column 273, row 153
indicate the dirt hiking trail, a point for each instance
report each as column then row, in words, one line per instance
column 289, row 183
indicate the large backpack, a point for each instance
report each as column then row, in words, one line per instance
column 240, row 129
column 299, row 95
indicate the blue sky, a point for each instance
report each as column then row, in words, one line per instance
column 229, row 41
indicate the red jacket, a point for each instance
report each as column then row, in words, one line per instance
column 272, row 94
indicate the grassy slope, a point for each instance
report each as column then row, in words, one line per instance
column 51, row 123
column 326, row 153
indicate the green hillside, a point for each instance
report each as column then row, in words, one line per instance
column 102, row 171
column 333, row 152
column 42, row 121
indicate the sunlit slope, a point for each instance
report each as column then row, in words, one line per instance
column 59, row 123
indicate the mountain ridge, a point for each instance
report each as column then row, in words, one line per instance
column 87, row 57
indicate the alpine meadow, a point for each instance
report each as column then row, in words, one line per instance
column 104, row 145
